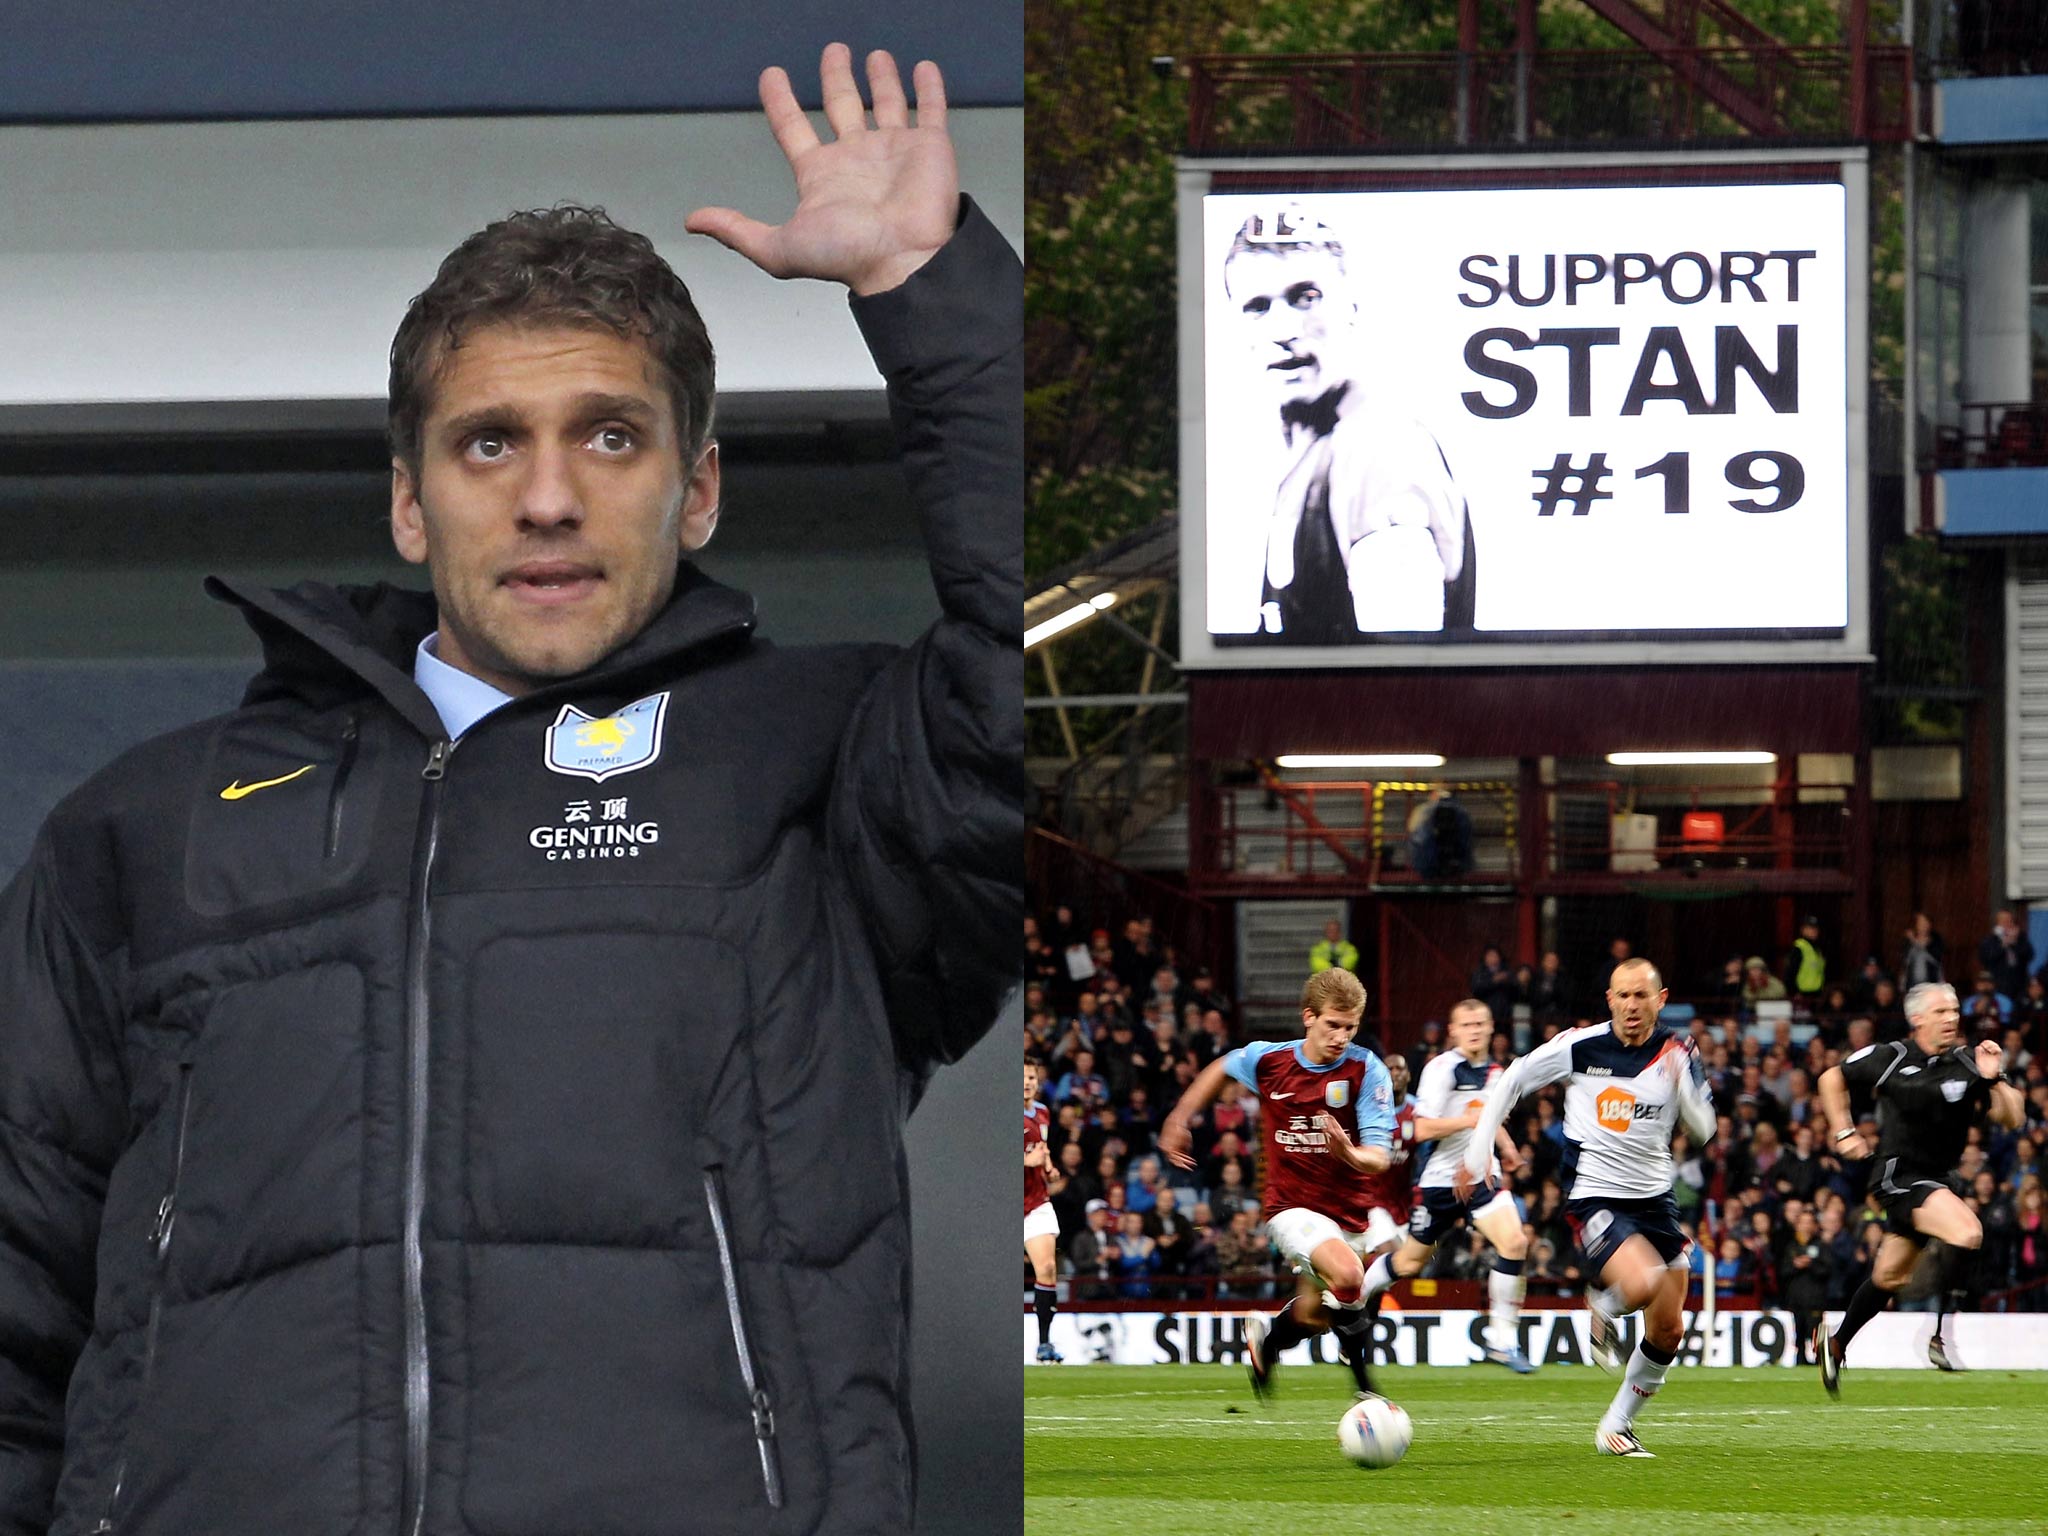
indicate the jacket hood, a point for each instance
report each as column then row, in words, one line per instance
column 324, row 644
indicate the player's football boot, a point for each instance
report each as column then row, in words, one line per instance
column 1606, row 1340
column 1620, row 1442
column 1047, row 1355
column 1352, row 1330
column 1357, row 1363
column 1256, row 1365
column 1939, row 1357
column 1830, row 1362
column 1513, row 1359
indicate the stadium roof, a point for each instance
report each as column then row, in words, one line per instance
column 1129, row 567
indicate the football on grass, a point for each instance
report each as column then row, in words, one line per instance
column 1375, row 1433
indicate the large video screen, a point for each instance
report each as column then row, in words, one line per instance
column 1538, row 416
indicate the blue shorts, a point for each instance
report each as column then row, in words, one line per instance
column 1600, row 1226
column 1437, row 1211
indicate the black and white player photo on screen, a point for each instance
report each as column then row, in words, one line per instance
column 1594, row 411
column 1366, row 530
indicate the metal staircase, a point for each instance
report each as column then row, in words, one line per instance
column 1273, row 941
column 1751, row 102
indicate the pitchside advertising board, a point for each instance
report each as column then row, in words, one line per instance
column 1556, row 412
column 1892, row 1340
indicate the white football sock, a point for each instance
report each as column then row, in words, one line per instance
column 1645, row 1376
column 1504, row 1292
column 1378, row 1278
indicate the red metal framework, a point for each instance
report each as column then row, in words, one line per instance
column 1349, row 836
column 1773, row 835
column 1468, row 99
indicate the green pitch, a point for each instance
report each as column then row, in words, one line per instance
column 1187, row 1451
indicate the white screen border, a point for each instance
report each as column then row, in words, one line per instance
column 1199, row 650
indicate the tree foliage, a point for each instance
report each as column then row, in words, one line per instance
column 1924, row 642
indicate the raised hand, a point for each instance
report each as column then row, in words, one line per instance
column 875, row 203
column 1990, row 1058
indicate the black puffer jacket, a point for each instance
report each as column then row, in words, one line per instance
column 506, row 1140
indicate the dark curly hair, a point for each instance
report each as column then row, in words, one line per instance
column 566, row 265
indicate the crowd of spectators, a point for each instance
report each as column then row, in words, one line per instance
column 1123, row 1027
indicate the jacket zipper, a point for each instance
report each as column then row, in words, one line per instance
column 159, row 1240
column 414, row 1494
column 757, row 1393
column 350, row 733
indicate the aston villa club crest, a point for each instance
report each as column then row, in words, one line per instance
column 1337, row 1094
column 598, row 748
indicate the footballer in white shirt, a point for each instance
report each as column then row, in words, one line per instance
column 1449, row 1098
column 1629, row 1084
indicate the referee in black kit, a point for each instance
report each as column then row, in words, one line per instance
column 1929, row 1090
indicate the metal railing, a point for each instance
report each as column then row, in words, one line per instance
column 1427, row 100
column 1355, row 831
column 1756, row 834
column 1995, row 434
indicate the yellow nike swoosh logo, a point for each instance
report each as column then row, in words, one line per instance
column 236, row 790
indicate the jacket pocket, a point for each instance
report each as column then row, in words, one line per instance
column 284, row 811
column 337, row 789
column 760, row 1403
column 603, row 1392
column 162, row 1227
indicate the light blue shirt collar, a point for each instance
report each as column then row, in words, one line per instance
column 460, row 699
